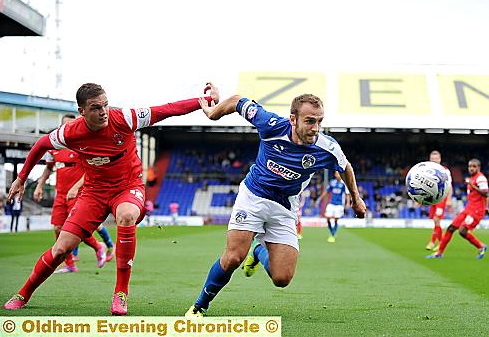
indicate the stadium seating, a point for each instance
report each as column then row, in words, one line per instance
column 205, row 182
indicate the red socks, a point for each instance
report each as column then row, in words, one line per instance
column 92, row 242
column 444, row 241
column 44, row 267
column 124, row 252
column 473, row 240
column 437, row 234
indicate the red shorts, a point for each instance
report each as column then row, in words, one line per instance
column 437, row 211
column 93, row 207
column 468, row 218
column 61, row 209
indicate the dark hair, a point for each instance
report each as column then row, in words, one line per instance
column 305, row 98
column 87, row 91
column 71, row 116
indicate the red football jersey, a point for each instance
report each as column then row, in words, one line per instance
column 476, row 201
column 68, row 168
column 109, row 155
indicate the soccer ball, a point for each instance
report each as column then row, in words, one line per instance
column 427, row 183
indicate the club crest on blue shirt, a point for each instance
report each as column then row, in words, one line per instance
column 240, row 216
column 308, row 161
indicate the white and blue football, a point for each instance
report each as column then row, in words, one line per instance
column 427, row 183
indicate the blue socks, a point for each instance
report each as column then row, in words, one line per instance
column 104, row 234
column 261, row 254
column 216, row 280
column 332, row 229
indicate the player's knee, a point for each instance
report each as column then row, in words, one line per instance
column 282, row 281
column 60, row 252
column 231, row 261
column 126, row 219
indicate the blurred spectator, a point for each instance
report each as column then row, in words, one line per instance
column 230, row 198
column 459, row 202
column 15, row 211
column 151, row 178
column 174, row 206
column 149, row 206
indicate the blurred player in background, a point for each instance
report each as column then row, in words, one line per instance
column 437, row 211
column 69, row 183
column 105, row 142
column 337, row 200
column 474, row 211
column 265, row 211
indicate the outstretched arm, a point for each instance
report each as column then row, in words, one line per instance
column 158, row 113
column 35, row 154
column 357, row 203
column 226, row 107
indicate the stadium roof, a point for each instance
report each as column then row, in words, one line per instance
column 59, row 105
column 19, row 19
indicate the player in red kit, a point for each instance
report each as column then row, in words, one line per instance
column 105, row 142
column 69, row 180
column 474, row 211
column 437, row 211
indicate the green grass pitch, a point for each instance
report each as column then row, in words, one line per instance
column 371, row 282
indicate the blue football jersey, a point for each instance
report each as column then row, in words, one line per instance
column 338, row 191
column 283, row 169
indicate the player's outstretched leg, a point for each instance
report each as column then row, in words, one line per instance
column 43, row 268
column 216, row 280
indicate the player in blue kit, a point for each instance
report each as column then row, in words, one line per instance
column 291, row 150
column 337, row 200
